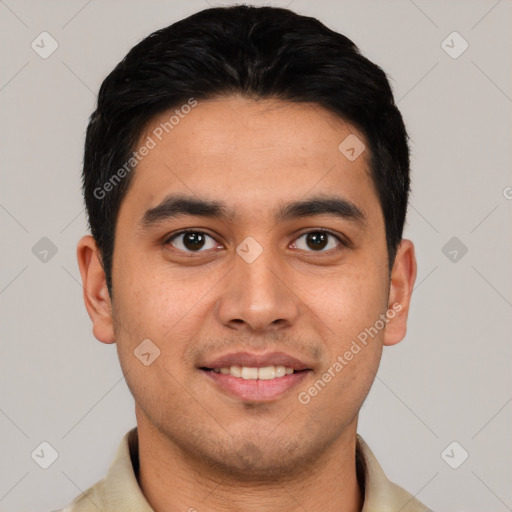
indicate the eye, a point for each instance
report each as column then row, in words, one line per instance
column 318, row 241
column 192, row 241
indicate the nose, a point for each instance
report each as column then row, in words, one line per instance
column 258, row 296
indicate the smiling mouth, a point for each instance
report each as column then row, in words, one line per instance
column 255, row 373
column 255, row 384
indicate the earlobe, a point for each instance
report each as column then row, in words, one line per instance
column 403, row 276
column 95, row 292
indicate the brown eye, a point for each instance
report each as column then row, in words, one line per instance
column 192, row 241
column 317, row 241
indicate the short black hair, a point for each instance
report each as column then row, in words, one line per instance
column 256, row 52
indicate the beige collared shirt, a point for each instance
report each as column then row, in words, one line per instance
column 119, row 491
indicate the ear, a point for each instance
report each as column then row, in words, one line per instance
column 403, row 276
column 95, row 291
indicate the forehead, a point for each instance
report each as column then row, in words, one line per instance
column 252, row 153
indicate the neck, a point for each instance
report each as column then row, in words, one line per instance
column 172, row 480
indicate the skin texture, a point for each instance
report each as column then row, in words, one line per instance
column 199, row 447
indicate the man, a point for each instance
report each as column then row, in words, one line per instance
column 246, row 178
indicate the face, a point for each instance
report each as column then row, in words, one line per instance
column 248, row 240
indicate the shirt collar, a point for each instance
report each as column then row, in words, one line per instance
column 381, row 494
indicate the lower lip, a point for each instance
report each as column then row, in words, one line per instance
column 256, row 390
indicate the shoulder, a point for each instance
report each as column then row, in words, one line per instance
column 92, row 500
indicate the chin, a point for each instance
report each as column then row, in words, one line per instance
column 260, row 460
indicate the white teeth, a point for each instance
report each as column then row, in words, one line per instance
column 280, row 371
column 267, row 372
column 250, row 373
column 236, row 371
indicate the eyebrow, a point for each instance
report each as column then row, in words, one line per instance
column 174, row 206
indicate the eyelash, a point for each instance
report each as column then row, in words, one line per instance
column 342, row 242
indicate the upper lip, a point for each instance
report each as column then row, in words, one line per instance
column 252, row 360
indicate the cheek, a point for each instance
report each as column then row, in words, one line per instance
column 347, row 301
column 151, row 303
column 153, row 329
column 149, row 296
column 341, row 390
column 350, row 306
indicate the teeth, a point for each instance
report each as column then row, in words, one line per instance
column 236, row 371
column 267, row 373
column 280, row 371
column 248, row 373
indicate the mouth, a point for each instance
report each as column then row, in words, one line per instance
column 255, row 378
column 255, row 373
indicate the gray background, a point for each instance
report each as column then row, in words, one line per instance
column 449, row 380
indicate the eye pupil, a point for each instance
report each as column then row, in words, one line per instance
column 316, row 240
column 193, row 241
